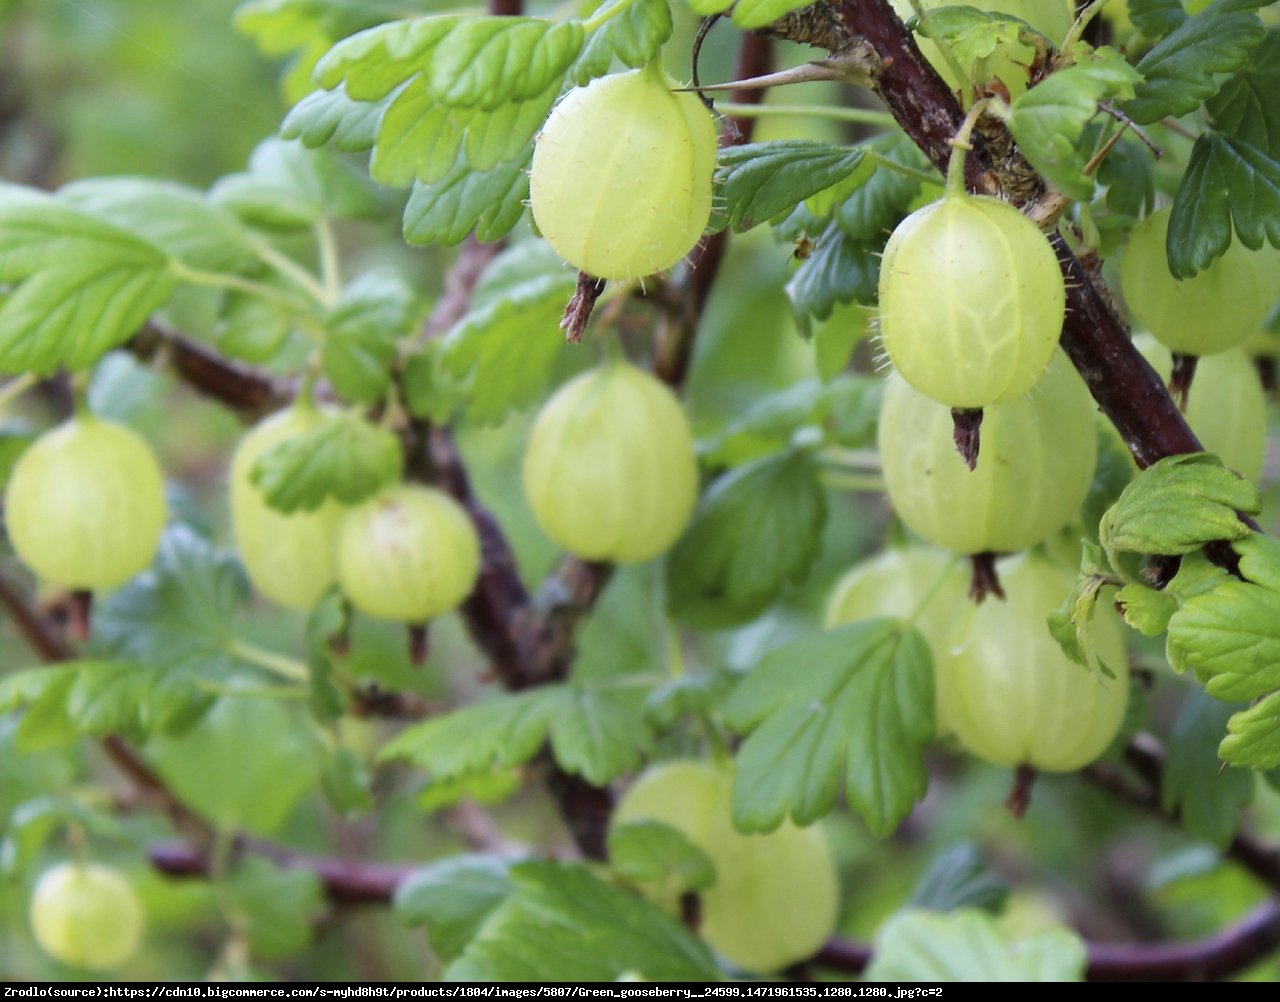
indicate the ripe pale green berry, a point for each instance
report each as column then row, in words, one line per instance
column 1219, row 308
column 776, row 896
column 1226, row 405
column 1015, row 698
column 86, row 915
column 85, row 505
column 610, row 470
column 929, row 587
column 971, row 301
column 620, row 183
column 1034, row 467
column 408, row 554
column 290, row 558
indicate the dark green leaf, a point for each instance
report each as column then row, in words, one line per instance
column 599, row 733
column 452, row 898
column 277, row 906
column 653, row 853
column 858, row 717
column 1156, row 18
column 1246, row 107
column 959, row 878
column 633, row 37
column 840, row 270
column 343, row 457
column 1206, row 797
column 687, row 694
column 871, row 212
column 1226, row 181
column 756, row 532
column 762, row 180
column 1188, row 66
column 1129, row 177
column 374, row 312
column 562, row 923
column 488, row 203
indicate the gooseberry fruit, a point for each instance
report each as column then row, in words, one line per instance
column 1226, row 405
column 408, row 554
column 922, row 585
column 289, row 558
column 971, row 301
column 1034, row 468
column 620, row 183
column 776, row 896
column 1219, row 308
column 86, row 915
column 610, row 470
column 85, row 505
column 1014, row 697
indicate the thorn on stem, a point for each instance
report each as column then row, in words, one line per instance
column 984, row 579
column 1184, row 371
column 1019, row 798
column 578, row 313
column 967, row 434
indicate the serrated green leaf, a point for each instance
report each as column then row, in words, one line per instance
column 633, row 37
column 972, row 34
column 959, row 878
column 134, row 700
column 482, row 788
column 81, row 286
column 654, row 853
column 488, row 61
column 1129, row 177
column 343, row 457
column 373, row 313
column 840, row 270
column 1189, row 65
column 429, row 391
column 1156, row 18
column 757, row 13
column 562, row 923
column 1245, row 108
column 756, row 532
column 488, row 203
column 1049, row 119
column 1253, row 737
column 277, row 906
column 330, row 117
column 871, row 212
column 505, row 350
column 1178, row 505
column 1230, row 634
column 252, row 327
column 1226, row 181
column 1146, row 609
column 496, row 734
column 599, row 733
column 969, row 946
column 452, row 898
column 1206, row 797
column 858, row 717
column 374, row 62
column 687, row 694
column 759, row 181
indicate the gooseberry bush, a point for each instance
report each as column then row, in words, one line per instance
column 657, row 490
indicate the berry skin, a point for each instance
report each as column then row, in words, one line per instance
column 620, row 183
column 1034, row 468
column 776, row 896
column 610, row 470
column 85, row 505
column 1219, row 308
column 971, row 301
column 290, row 559
column 86, row 915
column 1015, row 698
column 408, row 555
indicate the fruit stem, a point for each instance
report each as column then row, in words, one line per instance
column 1019, row 798
column 960, row 145
column 966, row 433
column 984, row 580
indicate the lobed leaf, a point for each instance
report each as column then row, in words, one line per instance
column 1205, row 797
column 633, row 37
column 1245, row 107
column 452, row 897
column 488, row 203
column 760, row 181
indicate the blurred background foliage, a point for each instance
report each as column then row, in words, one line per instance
column 90, row 87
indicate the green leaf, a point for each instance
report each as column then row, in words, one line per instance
column 1177, row 505
column 766, row 426
column 482, row 788
column 1206, row 797
column 756, row 531
column 599, row 733
column 970, row 946
column 505, row 350
column 373, row 313
column 840, row 270
column 1245, row 108
column 1226, row 181
column 47, row 721
column 488, row 203
column 1230, row 634
column 861, row 712
column 80, row 286
column 496, row 734
column 687, row 695
column 343, row 457
column 345, row 782
column 252, row 328
column 1156, row 18
column 970, row 33
column 562, row 923
column 1254, row 736
column 959, row 878
column 757, row 13
column 1188, row 66
column 650, row 852
column 871, row 212
column 134, row 700
column 376, row 61
column 32, row 823
column 762, row 180
column 1049, row 119
column 704, row 8
column 488, row 61
column 452, row 897
column 1071, row 625
column 1146, row 609
column 633, row 37
column 1128, row 175
column 330, row 117
column 277, row 906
